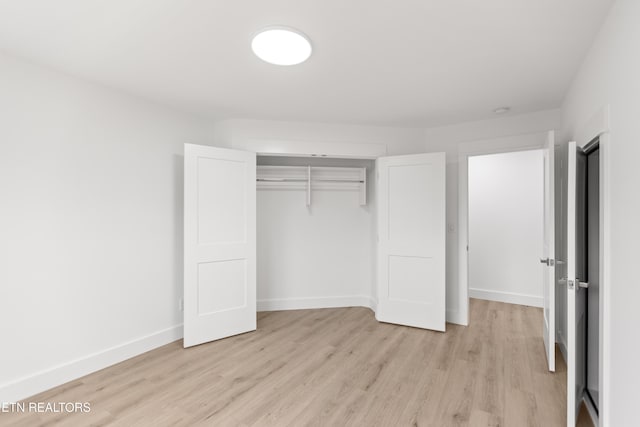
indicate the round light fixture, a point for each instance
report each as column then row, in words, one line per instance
column 281, row 46
column 502, row 110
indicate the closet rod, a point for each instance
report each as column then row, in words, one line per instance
column 281, row 180
column 339, row 180
column 305, row 180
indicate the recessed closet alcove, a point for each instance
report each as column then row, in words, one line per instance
column 279, row 227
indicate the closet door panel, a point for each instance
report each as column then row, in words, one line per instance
column 222, row 210
column 411, row 240
column 219, row 243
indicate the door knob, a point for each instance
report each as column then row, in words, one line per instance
column 550, row 262
column 583, row 285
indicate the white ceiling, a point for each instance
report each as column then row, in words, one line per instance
column 386, row 62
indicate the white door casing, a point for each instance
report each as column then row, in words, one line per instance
column 219, row 243
column 411, row 240
column 548, row 280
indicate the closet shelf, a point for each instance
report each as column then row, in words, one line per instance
column 313, row 178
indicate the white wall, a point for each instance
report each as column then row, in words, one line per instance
column 505, row 227
column 91, row 226
column 398, row 140
column 91, row 185
column 517, row 130
column 610, row 76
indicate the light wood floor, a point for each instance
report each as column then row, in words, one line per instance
column 333, row 367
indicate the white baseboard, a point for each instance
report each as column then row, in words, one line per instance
column 508, row 297
column 44, row 380
column 316, row 302
column 277, row 304
column 456, row 317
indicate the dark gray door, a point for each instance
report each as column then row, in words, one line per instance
column 581, row 273
column 593, row 273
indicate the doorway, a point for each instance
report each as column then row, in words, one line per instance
column 506, row 219
column 458, row 302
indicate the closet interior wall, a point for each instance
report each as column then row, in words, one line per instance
column 321, row 255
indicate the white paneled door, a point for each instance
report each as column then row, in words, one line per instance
column 548, row 256
column 219, row 243
column 411, row 240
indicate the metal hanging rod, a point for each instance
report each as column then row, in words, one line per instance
column 338, row 180
column 356, row 176
column 305, row 180
column 280, row 180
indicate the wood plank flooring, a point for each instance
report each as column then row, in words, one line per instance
column 332, row 367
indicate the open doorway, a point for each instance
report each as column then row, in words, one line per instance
column 506, row 219
column 584, row 354
column 542, row 142
column 524, row 344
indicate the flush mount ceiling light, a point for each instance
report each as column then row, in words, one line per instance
column 281, row 46
column 502, row 110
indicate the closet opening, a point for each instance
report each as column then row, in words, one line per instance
column 315, row 232
column 289, row 232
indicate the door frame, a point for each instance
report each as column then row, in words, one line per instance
column 508, row 144
column 599, row 127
